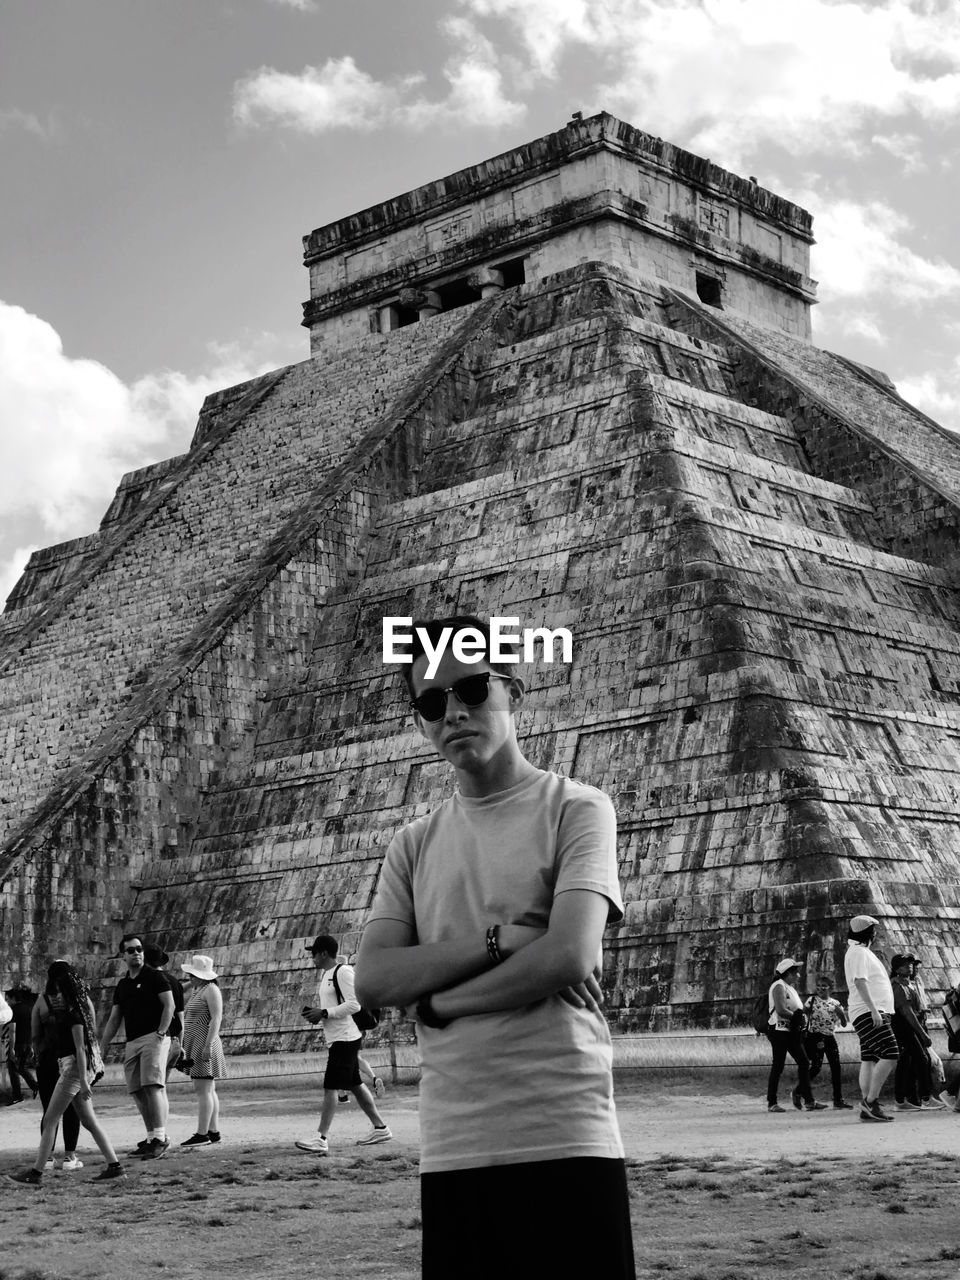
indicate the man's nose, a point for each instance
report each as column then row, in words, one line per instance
column 455, row 709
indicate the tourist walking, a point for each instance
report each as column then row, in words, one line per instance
column 157, row 958
column 69, row 1005
column 824, row 1015
column 336, row 1004
column 45, row 1037
column 912, row 1077
column 921, row 1006
column 202, row 1049
column 517, row 1118
column 17, row 1043
column 870, row 1006
column 786, row 1022
column 143, row 1003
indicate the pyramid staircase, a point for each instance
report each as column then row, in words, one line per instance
column 765, row 673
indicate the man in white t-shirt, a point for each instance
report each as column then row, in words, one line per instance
column 334, row 1010
column 489, row 918
column 870, row 1008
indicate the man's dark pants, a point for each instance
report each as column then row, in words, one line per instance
column 16, row 1069
column 782, row 1043
column 553, row 1218
column 818, row 1046
column 912, row 1081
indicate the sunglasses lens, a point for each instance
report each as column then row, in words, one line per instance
column 472, row 690
column 432, row 704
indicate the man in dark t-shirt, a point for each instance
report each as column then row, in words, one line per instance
column 144, row 1002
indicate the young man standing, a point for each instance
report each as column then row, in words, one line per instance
column 870, row 1007
column 334, row 1010
column 143, row 1002
column 488, row 919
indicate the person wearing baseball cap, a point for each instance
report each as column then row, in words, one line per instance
column 786, row 1023
column 871, row 1008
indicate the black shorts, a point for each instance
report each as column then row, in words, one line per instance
column 342, row 1071
column 507, row 1221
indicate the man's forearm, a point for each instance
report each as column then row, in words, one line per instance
column 401, row 975
column 538, row 971
column 109, row 1031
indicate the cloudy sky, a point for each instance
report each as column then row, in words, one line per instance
column 161, row 160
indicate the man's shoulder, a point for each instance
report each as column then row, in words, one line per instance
column 574, row 791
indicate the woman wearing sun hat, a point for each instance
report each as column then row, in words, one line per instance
column 202, row 1015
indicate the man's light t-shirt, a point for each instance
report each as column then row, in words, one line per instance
column 339, row 1023
column 860, row 962
column 522, row 1084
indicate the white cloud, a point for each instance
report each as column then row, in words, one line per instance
column 905, row 147
column 340, row 95
column 723, row 76
column 305, row 6
column 860, row 324
column 861, row 251
column 11, row 569
column 337, row 95
column 935, row 394
column 69, row 428
column 13, row 118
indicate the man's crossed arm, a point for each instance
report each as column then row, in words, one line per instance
column 558, row 960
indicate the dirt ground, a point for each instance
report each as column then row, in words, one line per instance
column 720, row 1190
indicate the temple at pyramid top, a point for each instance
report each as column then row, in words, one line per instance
column 596, row 190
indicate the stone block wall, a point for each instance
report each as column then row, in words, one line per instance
column 764, row 679
column 130, row 791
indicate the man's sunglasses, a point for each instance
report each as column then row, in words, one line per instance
column 471, row 691
column 132, row 950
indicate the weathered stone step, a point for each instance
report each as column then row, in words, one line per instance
column 178, row 562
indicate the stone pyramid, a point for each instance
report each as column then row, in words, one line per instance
column 573, row 385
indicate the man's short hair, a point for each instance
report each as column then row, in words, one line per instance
column 434, row 628
column 325, row 944
column 128, row 937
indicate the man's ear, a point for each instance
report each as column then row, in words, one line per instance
column 516, row 690
column 418, row 724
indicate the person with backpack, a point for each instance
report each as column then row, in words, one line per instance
column 787, row 1024
column 336, row 1011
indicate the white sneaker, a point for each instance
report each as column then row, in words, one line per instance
column 374, row 1136
column 69, row 1166
column 316, row 1146
column 933, row 1104
column 378, row 1087
column 51, row 1164
column 909, row 1106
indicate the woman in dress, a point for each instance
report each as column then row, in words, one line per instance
column 68, row 1002
column 202, row 1015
